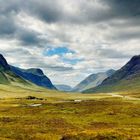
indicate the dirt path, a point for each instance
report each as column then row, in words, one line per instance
column 125, row 97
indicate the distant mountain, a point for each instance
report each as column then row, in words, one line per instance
column 35, row 76
column 7, row 76
column 125, row 79
column 63, row 87
column 92, row 81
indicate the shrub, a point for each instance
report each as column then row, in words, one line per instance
column 33, row 98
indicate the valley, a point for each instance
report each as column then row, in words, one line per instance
column 41, row 114
column 32, row 108
column 94, row 117
column 70, row 70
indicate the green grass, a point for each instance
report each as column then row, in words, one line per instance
column 108, row 118
column 96, row 117
column 9, row 78
column 3, row 78
column 18, row 91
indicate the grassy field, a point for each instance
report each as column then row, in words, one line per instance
column 65, row 116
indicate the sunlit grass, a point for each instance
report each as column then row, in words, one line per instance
column 97, row 116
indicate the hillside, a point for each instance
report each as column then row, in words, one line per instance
column 35, row 76
column 125, row 79
column 15, row 76
column 7, row 76
column 92, row 81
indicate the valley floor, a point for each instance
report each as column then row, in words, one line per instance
column 53, row 116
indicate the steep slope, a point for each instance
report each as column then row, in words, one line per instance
column 35, row 76
column 92, row 81
column 125, row 79
column 7, row 76
column 63, row 87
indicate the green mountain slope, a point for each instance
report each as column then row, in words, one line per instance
column 131, row 85
column 3, row 78
column 92, row 81
column 8, row 77
column 126, row 79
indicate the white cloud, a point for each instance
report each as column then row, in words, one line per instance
column 95, row 30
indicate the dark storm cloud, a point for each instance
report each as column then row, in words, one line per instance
column 8, row 7
column 7, row 26
column 49, row 11
column 9, row 29
column 109, row 11
column 54, row 11
column 114, row 10
column 124, row 18
column 124, row 8
column 28, row 37
column 7, row 12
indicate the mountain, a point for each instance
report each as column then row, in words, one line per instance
column 125, row 79
column 35, row 76
column 63, row 87
column 92, row 80
column 7, row 76
column 16, row 76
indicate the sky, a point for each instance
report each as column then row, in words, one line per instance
column 69, row 39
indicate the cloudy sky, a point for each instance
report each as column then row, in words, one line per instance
column 69, row 39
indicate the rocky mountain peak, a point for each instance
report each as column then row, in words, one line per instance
column 3, row 63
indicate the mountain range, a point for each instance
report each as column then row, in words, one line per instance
column 92, row 80
column 125, row 79
column 13, row 75
column 63, row 88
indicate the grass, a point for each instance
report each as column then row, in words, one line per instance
column 10, row 91
column 96, row 117
column 3, row 78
